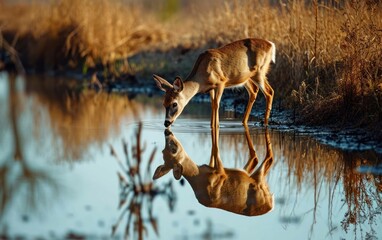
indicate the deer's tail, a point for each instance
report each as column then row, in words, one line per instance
column 273, row 50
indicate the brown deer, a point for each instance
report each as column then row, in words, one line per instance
column 242, row 192
column 244, row 62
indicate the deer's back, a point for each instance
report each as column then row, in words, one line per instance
column 233, row 63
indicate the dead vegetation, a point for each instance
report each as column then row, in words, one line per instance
column 71, row 33
column 328, row 65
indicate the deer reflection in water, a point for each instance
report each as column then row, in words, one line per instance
column 242, row 192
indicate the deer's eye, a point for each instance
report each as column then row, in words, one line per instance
column 174, row 105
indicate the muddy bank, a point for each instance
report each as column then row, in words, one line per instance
column 348, row 138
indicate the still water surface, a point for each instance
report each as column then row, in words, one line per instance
column 75, row 163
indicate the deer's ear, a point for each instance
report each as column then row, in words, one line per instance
column 160, row 171
column 162, row 83
column 177, row 171
column 178, row 84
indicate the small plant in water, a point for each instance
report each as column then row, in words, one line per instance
column 137, row 191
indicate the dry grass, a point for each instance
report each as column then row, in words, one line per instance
column 328, row 52
column 51, row 33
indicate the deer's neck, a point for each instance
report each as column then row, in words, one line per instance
column 190, row 169
column 191, row 88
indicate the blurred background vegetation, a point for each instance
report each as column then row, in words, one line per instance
column 328, row 66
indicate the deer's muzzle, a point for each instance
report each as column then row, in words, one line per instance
column 167, row 123
column 167, row 132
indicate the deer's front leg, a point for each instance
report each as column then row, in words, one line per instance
column 218, row 95
column 214, row 138
column 269, row 99
column 215, row 158
column 212, row 158
column 269, row 154
column 212, row 98
column 215, row 161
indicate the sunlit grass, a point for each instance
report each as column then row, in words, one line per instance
column 97, row 31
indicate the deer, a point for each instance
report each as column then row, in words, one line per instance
column 244, row 62
column 243, row 192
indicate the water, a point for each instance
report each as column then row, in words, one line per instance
column 64, row 173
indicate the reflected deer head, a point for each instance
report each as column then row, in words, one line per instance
column 242, row 192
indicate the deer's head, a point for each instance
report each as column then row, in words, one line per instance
column 174, row 100
column 173, row 154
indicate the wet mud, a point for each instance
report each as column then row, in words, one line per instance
column 347, row 138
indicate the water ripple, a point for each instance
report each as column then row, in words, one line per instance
column 197, row 126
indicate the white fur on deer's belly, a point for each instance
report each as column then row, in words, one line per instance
column 240, row 85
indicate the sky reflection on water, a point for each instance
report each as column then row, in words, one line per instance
column 59, row 179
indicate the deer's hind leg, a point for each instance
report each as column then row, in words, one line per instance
column 261, row 81
column 269, row 99
column 265, row 166
column 253, row 160
column 252, row 90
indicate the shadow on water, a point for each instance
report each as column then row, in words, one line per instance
column 58, row 178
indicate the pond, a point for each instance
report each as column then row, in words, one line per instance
column 79, row 164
